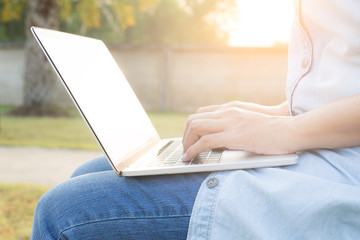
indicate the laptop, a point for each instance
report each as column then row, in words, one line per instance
column 117, row 119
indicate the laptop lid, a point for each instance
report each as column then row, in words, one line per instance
column 101, row 93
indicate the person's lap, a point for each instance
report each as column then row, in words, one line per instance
column 98, row 204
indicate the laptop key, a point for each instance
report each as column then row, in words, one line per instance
column 214, row 157
column 181, row 163
column 198, row 160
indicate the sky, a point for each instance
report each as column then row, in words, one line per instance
column 262, row 23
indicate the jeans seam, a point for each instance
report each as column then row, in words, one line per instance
column 117, row 219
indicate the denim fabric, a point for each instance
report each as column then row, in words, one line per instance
column 102, row 205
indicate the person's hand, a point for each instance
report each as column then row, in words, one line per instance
column 231, row 127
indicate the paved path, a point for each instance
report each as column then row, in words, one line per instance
column 39, row 165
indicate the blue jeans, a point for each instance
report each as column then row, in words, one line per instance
column 98, row 204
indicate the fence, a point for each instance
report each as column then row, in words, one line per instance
column 177, row 78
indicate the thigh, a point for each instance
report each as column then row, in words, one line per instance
column 103, row 205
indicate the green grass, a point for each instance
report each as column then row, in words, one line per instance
column 73, row 132
column 46, row 132
column 169, row 124
column 5, row 108
column 17, row 205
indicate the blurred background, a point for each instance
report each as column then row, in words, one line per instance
column 230, row 49
column 178, row 55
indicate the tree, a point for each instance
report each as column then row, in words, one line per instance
column 157, row 21
column 39, row 80
column 182, row 22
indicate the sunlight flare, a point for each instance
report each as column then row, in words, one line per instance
column 262, row 23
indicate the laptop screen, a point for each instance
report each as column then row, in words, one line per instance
column 100, row 91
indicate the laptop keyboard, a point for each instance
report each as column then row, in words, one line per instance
column 171, row 153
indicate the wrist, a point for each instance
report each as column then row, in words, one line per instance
column 296, row 138
column 281, row 109
column 281, row 135
column 285, row 136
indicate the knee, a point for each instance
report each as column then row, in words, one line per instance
column 46, row 215
column 55, row 210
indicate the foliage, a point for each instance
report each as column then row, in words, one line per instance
column 93, row 12
column 130, row 21
column 12, row 15
column 83, row 14
column 123, row 21
column 187, row 21
column 11, row 9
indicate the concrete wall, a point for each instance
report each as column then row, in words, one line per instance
column 179, row 78
column 11, row 72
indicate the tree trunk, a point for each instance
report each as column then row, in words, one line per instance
column 39, row 79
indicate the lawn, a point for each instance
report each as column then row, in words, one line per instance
column 17, row 205
column 18, row 201
column 73, row 132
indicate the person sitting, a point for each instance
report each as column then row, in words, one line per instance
column 318, row 198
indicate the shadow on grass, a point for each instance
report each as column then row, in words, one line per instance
column 40, row 110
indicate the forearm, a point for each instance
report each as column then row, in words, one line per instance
column 334, row 125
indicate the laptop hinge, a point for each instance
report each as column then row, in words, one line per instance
column 136, row 154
